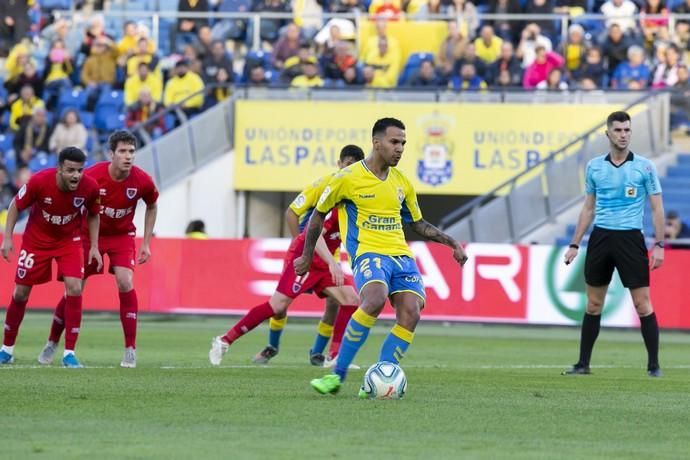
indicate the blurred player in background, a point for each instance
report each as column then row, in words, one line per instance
column 325, row 278
column 617, row 185
column 121, row 185
column 377, row 199
column 296, row 217
column 56, row 197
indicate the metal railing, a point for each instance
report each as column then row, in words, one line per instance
column 534, row 197
column 562, row 20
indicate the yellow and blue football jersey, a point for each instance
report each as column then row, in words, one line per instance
column 372, row 210
column 306, row 201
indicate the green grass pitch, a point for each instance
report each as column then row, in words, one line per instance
column 474, row 391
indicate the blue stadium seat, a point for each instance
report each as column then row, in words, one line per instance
column 87, row 119
column 49, row 5
column 42, row 161
column 90, row 141
column 137, row 5
column 112, row 98
column 72, row 99
column 254, row 58
column 6, row 141
column 103, row 113
column 114, row 121
column 683, row 160
column 679, row 171
column 170, row 120
column 167, row 5
column 10, row 161
column 414, row 62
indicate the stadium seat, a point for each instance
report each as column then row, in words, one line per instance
column 87, row 119
column 137, row 5
column 103, row 113
column 90, row 143
column 114, row 121
column 49, row 5
column 413, row 63
column 112, row 98
column 10, row 160
column 71, row 99
column 42, row 161
column 254, row 58
column 6, row 141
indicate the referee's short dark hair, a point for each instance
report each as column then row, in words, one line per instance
column 384, row 123
column 619, row 116
column 351, row 151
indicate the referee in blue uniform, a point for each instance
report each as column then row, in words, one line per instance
column 616, row 186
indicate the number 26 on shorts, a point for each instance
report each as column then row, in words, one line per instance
column 26, row 260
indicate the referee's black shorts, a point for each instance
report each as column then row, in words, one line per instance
column 624, row 250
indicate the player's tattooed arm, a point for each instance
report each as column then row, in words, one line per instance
column 314, row 229
column 430, row 232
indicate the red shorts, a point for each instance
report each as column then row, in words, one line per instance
column 35, row 266
column 316, row 280
column 121, row 252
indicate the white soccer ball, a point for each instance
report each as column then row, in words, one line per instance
column 385, row 380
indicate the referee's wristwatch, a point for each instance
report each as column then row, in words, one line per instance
column 659, row 244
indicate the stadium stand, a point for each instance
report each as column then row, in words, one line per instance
column 400, row 44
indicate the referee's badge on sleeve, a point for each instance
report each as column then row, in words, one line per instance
column 631, row 192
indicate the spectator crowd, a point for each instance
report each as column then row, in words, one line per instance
column 69, row 80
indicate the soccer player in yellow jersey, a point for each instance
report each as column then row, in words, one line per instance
column 376, row 199
column 335, row 316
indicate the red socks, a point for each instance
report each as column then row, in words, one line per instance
column 253, row 318
column 72, row 320
column 58, row 321
column 13, row 318
column 129, row 306
column 341, row 320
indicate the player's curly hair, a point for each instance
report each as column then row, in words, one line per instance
column 123, row 136
column 71, row 154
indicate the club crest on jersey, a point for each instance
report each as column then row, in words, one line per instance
column 131, row 193
column 78, row 201
column 631, row 192
column 47, row 200
column 435, row 167
column 21, row 272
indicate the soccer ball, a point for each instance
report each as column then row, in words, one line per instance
column 385, row 380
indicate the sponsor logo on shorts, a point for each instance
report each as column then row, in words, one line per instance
column 413, row 279
column 367, row 274
column 78, row 201
column 21, row 272
column 131, row 193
